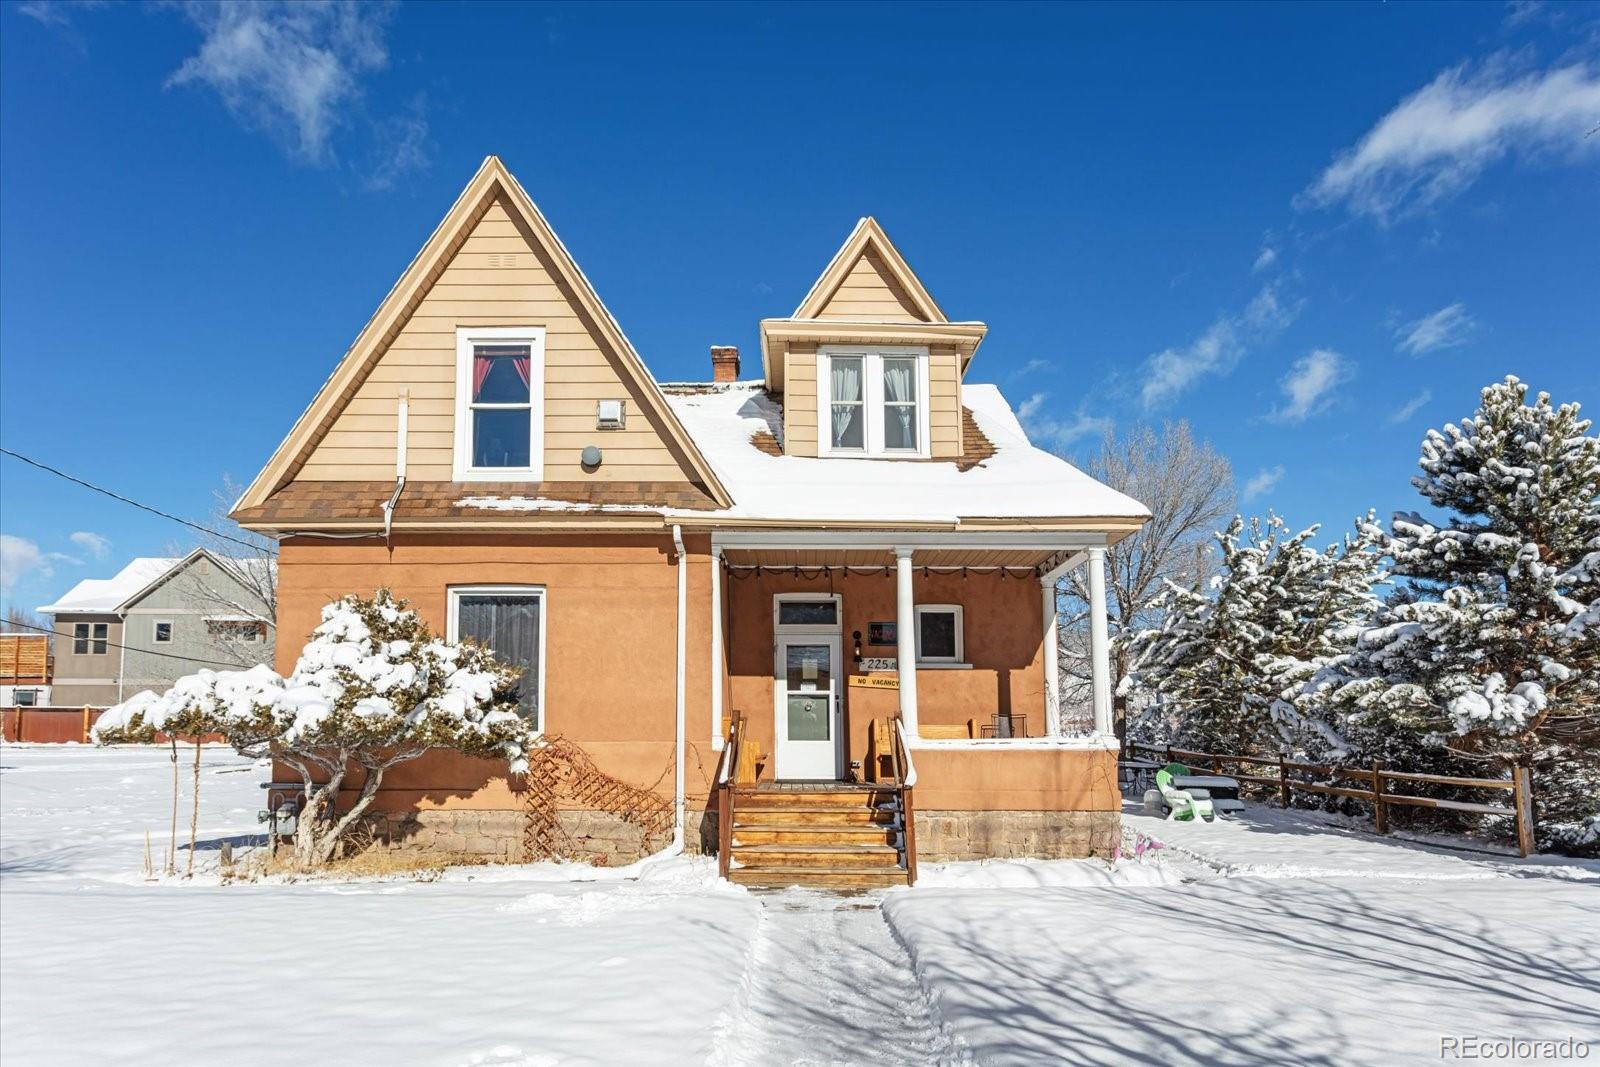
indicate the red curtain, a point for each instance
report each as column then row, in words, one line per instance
column 483, row 359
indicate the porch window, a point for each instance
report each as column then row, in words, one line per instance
column 90, row 638
column 509, row 621
column 499, row 403
column 875, row 401
column 939, row 633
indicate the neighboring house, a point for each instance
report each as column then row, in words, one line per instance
column 857, row 534
column 24, row 670
column 155, row 621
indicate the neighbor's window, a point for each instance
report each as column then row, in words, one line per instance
column 510, row 622
column 499, row 413
column 876, row 401
column 25, row 698
column 90, row 638
column 246, row 630
column 939, row 636
column 163, row 633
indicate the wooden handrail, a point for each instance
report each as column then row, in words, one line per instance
column 906, row 774
column 727, row 776
column 1376, row 793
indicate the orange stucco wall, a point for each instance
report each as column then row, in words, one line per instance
column 610, row 645
column 610, row 669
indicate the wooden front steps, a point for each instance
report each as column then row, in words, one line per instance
column 822, row 835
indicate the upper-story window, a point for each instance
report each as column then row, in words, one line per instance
column 163, row 635
column 874, row 401
column 90, row 639
column 499, row 403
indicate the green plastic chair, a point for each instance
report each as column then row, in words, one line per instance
column 1183, row 805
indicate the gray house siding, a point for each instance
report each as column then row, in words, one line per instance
column 192, row 596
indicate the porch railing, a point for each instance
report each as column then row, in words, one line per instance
column 727, row 775
column 906, row 775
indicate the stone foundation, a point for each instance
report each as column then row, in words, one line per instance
column 596, row 837
column 606, row 840
column 944, row 836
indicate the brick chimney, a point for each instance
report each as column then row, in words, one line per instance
column 724, row 364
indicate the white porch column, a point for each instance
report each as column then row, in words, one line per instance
column 1052, row 660
column 717, row 739
column 1099, row 642
column 905, row 621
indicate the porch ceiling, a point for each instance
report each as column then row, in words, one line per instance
column 831, row 557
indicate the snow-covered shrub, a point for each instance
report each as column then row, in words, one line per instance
column 1491, row 649
column 1231, row 661
column 372, row 688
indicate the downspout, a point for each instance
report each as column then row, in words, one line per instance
column 678, row 797
column 403, row 417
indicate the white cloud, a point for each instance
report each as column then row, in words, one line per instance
column 1047, row 429
column 1168, row 373
column 1267, row 258
column 1033, row 366
column 402, row 146
column 20, row 557
column 1439, row 139
column 1410, row 407
column 1309, row 385
column 289, row 68
column 1445, row 328
column 93, row 543
column 1265, row 481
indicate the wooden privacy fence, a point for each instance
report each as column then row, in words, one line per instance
column 1377, row 791
column 50, row 724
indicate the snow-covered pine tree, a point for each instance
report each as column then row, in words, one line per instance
column 1233, row 660
column 1493, row 650
column 373, row 688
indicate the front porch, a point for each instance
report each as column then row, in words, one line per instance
column 925, row 665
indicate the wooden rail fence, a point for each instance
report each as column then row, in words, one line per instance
column 1377, row 780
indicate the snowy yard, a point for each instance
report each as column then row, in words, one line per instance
column 1278, row 937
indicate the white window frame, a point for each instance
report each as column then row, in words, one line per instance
column 90, row 640
column 961, row 633
column 872, row 357
column 453, row 626
column 466, row 338
column 155, row 631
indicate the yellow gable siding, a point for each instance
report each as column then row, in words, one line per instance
column 800, row 404
column 869, row 292
column 499, row 277
column 944, row 403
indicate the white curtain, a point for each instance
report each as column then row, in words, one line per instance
column 900, row 397
column 846, row 395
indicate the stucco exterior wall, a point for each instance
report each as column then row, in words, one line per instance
column 88, row 678
column 610, row 646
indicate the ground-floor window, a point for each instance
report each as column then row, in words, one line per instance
column 509, row 620
column 939, row 636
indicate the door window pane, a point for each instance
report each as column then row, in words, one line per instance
column 808, row 717
column 808, row 613
column 508, row 624
column 809, row 668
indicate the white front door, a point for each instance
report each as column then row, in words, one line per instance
column 808, row 692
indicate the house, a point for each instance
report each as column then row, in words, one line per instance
column 846, row 563
column 155, row 621
column 25, row 669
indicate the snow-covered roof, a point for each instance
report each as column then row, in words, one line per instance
column 1018, row 481
column 108, row 594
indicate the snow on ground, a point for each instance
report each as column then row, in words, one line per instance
column 1274, row 937
column 1296, row 939
column 99, row 967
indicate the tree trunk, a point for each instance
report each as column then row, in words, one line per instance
column 369, row 790
column 194, row 813
column 172, row 835
column 306, row 841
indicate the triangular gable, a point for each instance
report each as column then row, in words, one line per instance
column 869, row 264
column 490, row 185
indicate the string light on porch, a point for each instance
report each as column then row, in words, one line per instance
column 743, row 571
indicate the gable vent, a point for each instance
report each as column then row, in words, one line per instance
column 506, row 260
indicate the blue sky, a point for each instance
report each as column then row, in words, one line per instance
column 1313, row 231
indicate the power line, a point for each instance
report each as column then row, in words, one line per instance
column 118, row 496
column 131, row 648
